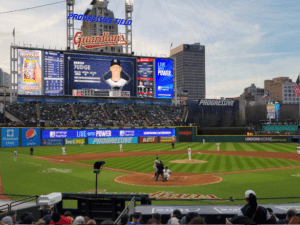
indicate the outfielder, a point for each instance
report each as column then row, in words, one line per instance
column 203, row 141
column 218, row 146
column 298, row 150
column 167, row 173
column 63, row 149
column 189, row 152
column 155, row 166
column 16, row 153
column 121, row 148
column 81, row 142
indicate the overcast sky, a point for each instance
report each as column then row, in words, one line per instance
column 246, row 41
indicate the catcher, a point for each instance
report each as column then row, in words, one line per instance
column 167, row 173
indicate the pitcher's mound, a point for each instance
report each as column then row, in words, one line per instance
column 186, row 161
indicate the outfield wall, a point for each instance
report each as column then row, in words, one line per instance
column 26, row 137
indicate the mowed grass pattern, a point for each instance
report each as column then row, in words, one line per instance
column 215, row 163
column 77, row 149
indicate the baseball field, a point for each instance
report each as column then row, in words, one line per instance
column 271, row 170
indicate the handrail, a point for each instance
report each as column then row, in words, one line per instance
column 125, row 210
column 21, row 201
column 4, row 208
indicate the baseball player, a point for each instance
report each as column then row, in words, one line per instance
column 189, row 152
column 63, row 149
column 173, row 145
column 156, row 162
column 203, row 141
column 81, row 142
column 31, row 151
column 15, row 153
column 167, row 173
column 298, row 150
column 160, row 170
column 121, row 148
column 218, row 146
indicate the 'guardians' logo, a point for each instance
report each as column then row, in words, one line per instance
column 186, row 133
column 91, row 42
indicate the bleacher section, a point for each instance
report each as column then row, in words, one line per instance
column 123, row 115
column 151, row 114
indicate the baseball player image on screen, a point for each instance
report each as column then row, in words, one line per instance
column 116, row 78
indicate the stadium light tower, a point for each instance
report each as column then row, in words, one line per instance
column 128, row 29
column 70, row 24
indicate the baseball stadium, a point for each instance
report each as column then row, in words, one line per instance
column 97, row 134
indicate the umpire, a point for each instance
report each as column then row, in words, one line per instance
column 31, row 151
column 160, row 170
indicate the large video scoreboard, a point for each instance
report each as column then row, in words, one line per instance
column 59, row 73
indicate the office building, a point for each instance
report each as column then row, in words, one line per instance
column 99, row 8
column 190, row 69
column 5, row 79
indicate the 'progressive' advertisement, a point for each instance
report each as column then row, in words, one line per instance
column 52, row 142
column 31, row 137
column 113, row 140
column 267, row 139
column 29, row 72
column 145, row 140
column 9, row 137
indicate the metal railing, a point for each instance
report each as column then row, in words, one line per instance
column 126, row 210
column 18, row 202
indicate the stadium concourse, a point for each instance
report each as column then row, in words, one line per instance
column 91, row 115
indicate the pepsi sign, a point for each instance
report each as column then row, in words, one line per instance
column 31, row 137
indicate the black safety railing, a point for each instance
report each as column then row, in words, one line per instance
column 126, row 210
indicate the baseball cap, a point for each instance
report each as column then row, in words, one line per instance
column 115, row 62
column 56, row 217
column 7, row 220
column 247, row 193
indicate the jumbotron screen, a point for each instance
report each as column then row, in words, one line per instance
column 59, row 73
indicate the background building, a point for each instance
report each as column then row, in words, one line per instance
column 275, row 86
column 190, row 69
column 99, row 8
column 5, row 79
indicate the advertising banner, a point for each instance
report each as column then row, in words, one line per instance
column 100, row 72
column 107, row 133
column 185, row 134
column 168, row 139
column 74, row 141
column 31, row 136
column 113, row 140
column 164, row 78
column 145, row 81
column 54, row 73
column 50, row 142
column 29, row 72
column 146, row 140
column 267, row 139
column 9, row 137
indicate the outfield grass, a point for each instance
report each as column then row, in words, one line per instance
column 77, row 149
column 215, row 163
column 24, row 176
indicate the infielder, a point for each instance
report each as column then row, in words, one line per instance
column 298, row 150
column 155, row 166
column 167, row 173
column 189, row 152
column 121, row 148
column 63, row 149
column 16, row 153
column 218, row 146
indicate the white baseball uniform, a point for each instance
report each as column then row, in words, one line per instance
column 16, row 153
column 121, row 148
column 298, row 150
column 167, row 173
column 155, row 165
column 189, row 153
column 63, row 149
column 218, row 146
column 81, row 142
column 203, row 141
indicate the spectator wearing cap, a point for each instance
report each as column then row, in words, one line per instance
column 197, row 220
column 253, row 211
column 176, row 216
column 156, row 216
column 7, row 220
column 79, row 220
column 59, row 219
column 12, row 214
column 292, row 217
column 22, row 217
column 136, row 218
